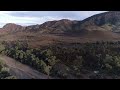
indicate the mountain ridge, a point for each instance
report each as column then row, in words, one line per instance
column 104, row 26
column 99, row 21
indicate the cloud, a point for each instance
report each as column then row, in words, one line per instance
column 38, row 17
column 62, row 14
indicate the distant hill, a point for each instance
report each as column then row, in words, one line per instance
column 108, row 21
column 12, row 27
column 104, row 26
column 57, row 26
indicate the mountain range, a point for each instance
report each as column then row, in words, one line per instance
column 104, row 26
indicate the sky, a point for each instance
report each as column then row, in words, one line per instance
column 26, row 18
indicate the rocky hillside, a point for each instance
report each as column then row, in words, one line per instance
column 57, row 26
column 12, row 27
column 108, row 21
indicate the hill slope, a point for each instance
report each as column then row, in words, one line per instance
column 108, row 21
column 104, row 26
column 22, row 71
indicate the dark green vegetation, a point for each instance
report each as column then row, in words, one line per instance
column 4, row 72
column 101, row 58
column 42, row 60
column 88, row 60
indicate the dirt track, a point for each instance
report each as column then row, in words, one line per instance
column 22, row 71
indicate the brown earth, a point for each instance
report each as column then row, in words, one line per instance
column 37, row 40
column 22, row 71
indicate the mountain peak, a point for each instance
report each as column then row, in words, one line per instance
column 64, row 20
column 12, row 26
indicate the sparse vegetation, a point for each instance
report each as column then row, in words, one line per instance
column 4, row 72
column 40, row 60
column 74, row 59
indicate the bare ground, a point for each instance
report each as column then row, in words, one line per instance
column 22, row 71
column 36, row 40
